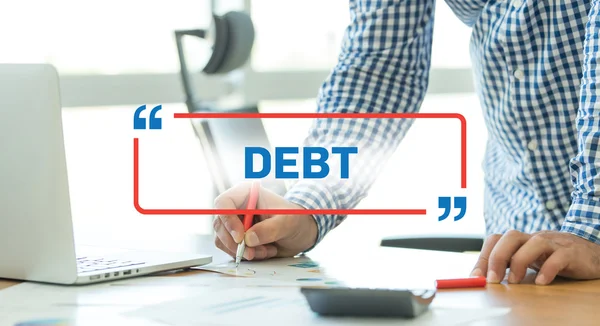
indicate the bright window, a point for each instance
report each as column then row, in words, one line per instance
column 136, row 36
column 107, row 37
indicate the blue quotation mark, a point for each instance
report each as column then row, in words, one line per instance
column 154, row 122
column 446, row 204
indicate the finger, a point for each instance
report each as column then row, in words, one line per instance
column 535, row 247
column 259, row 252
column 272, row 251
column 233, row 199
column 248, row 252
column 224, row 235
column 557, row 262
column 265, row 252
column 481, row 266
column 234, row 227
column 505, row 248
column 229, row 245
column 268, row 231
column 223, row 248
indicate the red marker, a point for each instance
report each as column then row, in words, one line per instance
column 459, row 283
column 248, row 219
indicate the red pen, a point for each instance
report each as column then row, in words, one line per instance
column 248, row 218
column 459, row 283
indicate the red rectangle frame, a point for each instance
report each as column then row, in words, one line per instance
column 154, row 211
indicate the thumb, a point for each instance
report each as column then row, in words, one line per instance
column 267, row 231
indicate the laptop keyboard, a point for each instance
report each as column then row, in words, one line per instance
column 91, row 264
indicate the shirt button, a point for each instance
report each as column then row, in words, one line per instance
column 532, row 145
column 517, row 3
column 519, row 74
column 551, row 204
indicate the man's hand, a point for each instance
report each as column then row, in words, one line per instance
column 550, row 253
column 271, row 235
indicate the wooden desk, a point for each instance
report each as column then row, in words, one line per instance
column 6, row 283
column 561, row 303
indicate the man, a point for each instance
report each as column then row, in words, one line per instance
column 536, row 71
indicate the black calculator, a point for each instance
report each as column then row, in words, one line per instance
column 367, row 302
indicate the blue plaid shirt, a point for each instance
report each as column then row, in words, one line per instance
column 535, row 65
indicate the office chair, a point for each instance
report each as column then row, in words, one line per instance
column 223, row 140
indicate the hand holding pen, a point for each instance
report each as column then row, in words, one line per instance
column 270, row 235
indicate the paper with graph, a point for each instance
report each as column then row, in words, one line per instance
column 299, row 271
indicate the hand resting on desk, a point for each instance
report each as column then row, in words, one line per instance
column 552, row 253
column 271, row 235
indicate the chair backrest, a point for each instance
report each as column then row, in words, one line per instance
column 224, row 140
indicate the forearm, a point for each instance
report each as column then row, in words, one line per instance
column 375, row 74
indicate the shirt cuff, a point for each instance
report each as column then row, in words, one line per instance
column 313, row 195
column 583, row 219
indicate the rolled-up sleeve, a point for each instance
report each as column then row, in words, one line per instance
column 583, row 217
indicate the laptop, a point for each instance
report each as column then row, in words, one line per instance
column 36, row 228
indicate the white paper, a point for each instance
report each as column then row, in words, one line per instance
column 351, row 270
column 28, row 294
column 301, row 271
column 101, row 304
column 284, row 307
column 69, row 316
column 204, row 280
column 132, row 292
column 94, row 305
